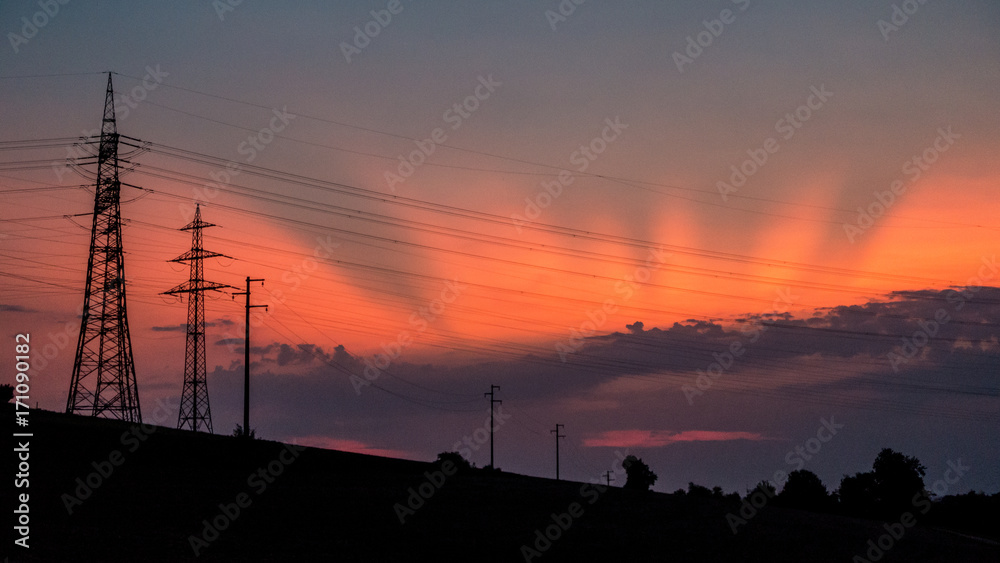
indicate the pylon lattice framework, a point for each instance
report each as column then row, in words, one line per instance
column 103, row 382
column 195, row 411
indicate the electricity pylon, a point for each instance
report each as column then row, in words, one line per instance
column 103, row 382
column 195, row 412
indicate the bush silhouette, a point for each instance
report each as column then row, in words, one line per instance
column 698, row 491
column 456, row 458
column 238, row 433
column 765, row 487
column 6, row 393
column 638, row 475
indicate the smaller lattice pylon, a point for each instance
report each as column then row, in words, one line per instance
column 195, row 410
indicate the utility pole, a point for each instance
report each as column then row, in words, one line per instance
column 607, row 475
column 558, row 435
column 493, row 401
column 246, row 358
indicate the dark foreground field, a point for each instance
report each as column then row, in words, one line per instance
column 162, row 487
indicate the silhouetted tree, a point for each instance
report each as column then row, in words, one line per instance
column 460, row 462
column 898, row 479
column 765, row 487
column 804, row 490
column 6, row 393
column 638, row 474
column 697, row 491
column 700, row 492
column 857, row 493
column 238, row 432
column 886, row 491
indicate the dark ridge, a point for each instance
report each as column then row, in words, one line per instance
column 330, row 505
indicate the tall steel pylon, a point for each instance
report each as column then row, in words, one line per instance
column 103, row 381
column 195, row 412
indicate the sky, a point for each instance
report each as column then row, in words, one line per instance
column 733, row 238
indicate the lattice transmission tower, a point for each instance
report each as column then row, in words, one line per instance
column 103, row 381
column 196, row 412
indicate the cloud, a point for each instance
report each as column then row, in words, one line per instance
column 171, row 328
column 660, row 438
column 5, row 308
column 183, row 326
column 305, row 355
column 952, row 319
column 635, row 328
column 839, row 353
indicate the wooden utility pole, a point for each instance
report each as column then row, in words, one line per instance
column 493, row 401
column 246, row 358
column 558, row 435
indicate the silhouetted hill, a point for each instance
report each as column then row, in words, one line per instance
column 307, row 504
